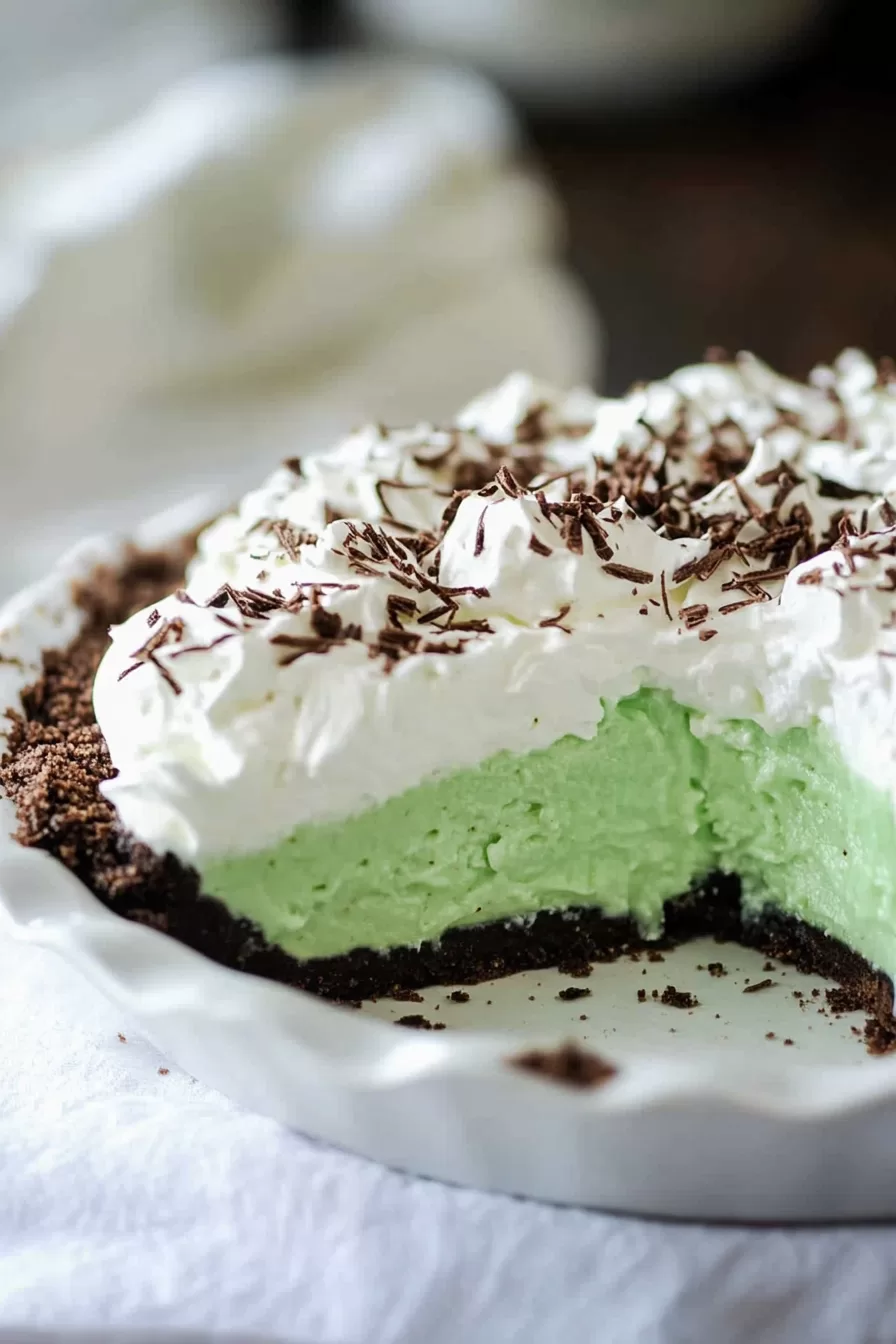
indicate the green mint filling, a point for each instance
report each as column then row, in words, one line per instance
column 623, row 821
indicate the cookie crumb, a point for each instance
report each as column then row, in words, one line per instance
column 845, row 998
column 679, row 998
column 879, row 1040
column 163, row 1071
column 716, row 969
column 573, row 992
column 405, row 995
column 568, row 1064
column 459, row 996
column 576, row 967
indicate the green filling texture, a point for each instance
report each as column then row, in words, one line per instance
column 623, row 821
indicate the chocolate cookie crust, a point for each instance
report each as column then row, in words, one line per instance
column 56, row 758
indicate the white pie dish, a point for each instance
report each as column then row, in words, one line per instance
column 688, row 1129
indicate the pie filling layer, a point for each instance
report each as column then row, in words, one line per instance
column 624, row 821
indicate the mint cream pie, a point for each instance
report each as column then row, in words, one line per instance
column 570, row 674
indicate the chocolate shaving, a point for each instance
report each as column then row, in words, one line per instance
column 508, row 482
column 404, row 580
column 292, row 538
column 750, row 601
column 694, row 615
column 451, row 510
column 571, row 532
column 326, row 624
column 168, row 632
column 398, row 606
column 477, row 626
column 665, row 595
column 386, row 483
column 596, row 532
column 465, row 588
column 300, row 645
column 686, row 571
column 421, row 543
column 321, row 584
column 544, row 505
column 479, row 544
column 251, row 602
column 628, row 572
column 200, row 648
column 470, row 475
column 556, row 621
column 440, row 457
column 431, row 646
column 531, row 428
column 436, row 613
column 538, row 546
column 756, row 576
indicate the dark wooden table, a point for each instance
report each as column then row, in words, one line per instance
column 763, row 219
column 766, row 221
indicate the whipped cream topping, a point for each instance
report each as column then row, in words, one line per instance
column 412, row 602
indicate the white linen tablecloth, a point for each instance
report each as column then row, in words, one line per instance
column 134, row 1198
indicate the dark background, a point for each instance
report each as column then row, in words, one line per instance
column 763, row 219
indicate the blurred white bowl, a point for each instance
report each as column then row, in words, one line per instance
column 566, row 53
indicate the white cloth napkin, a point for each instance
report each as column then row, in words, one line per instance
column 268, row 255
column 134, row 1198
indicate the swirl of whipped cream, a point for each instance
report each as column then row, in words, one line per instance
column 413, row 602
